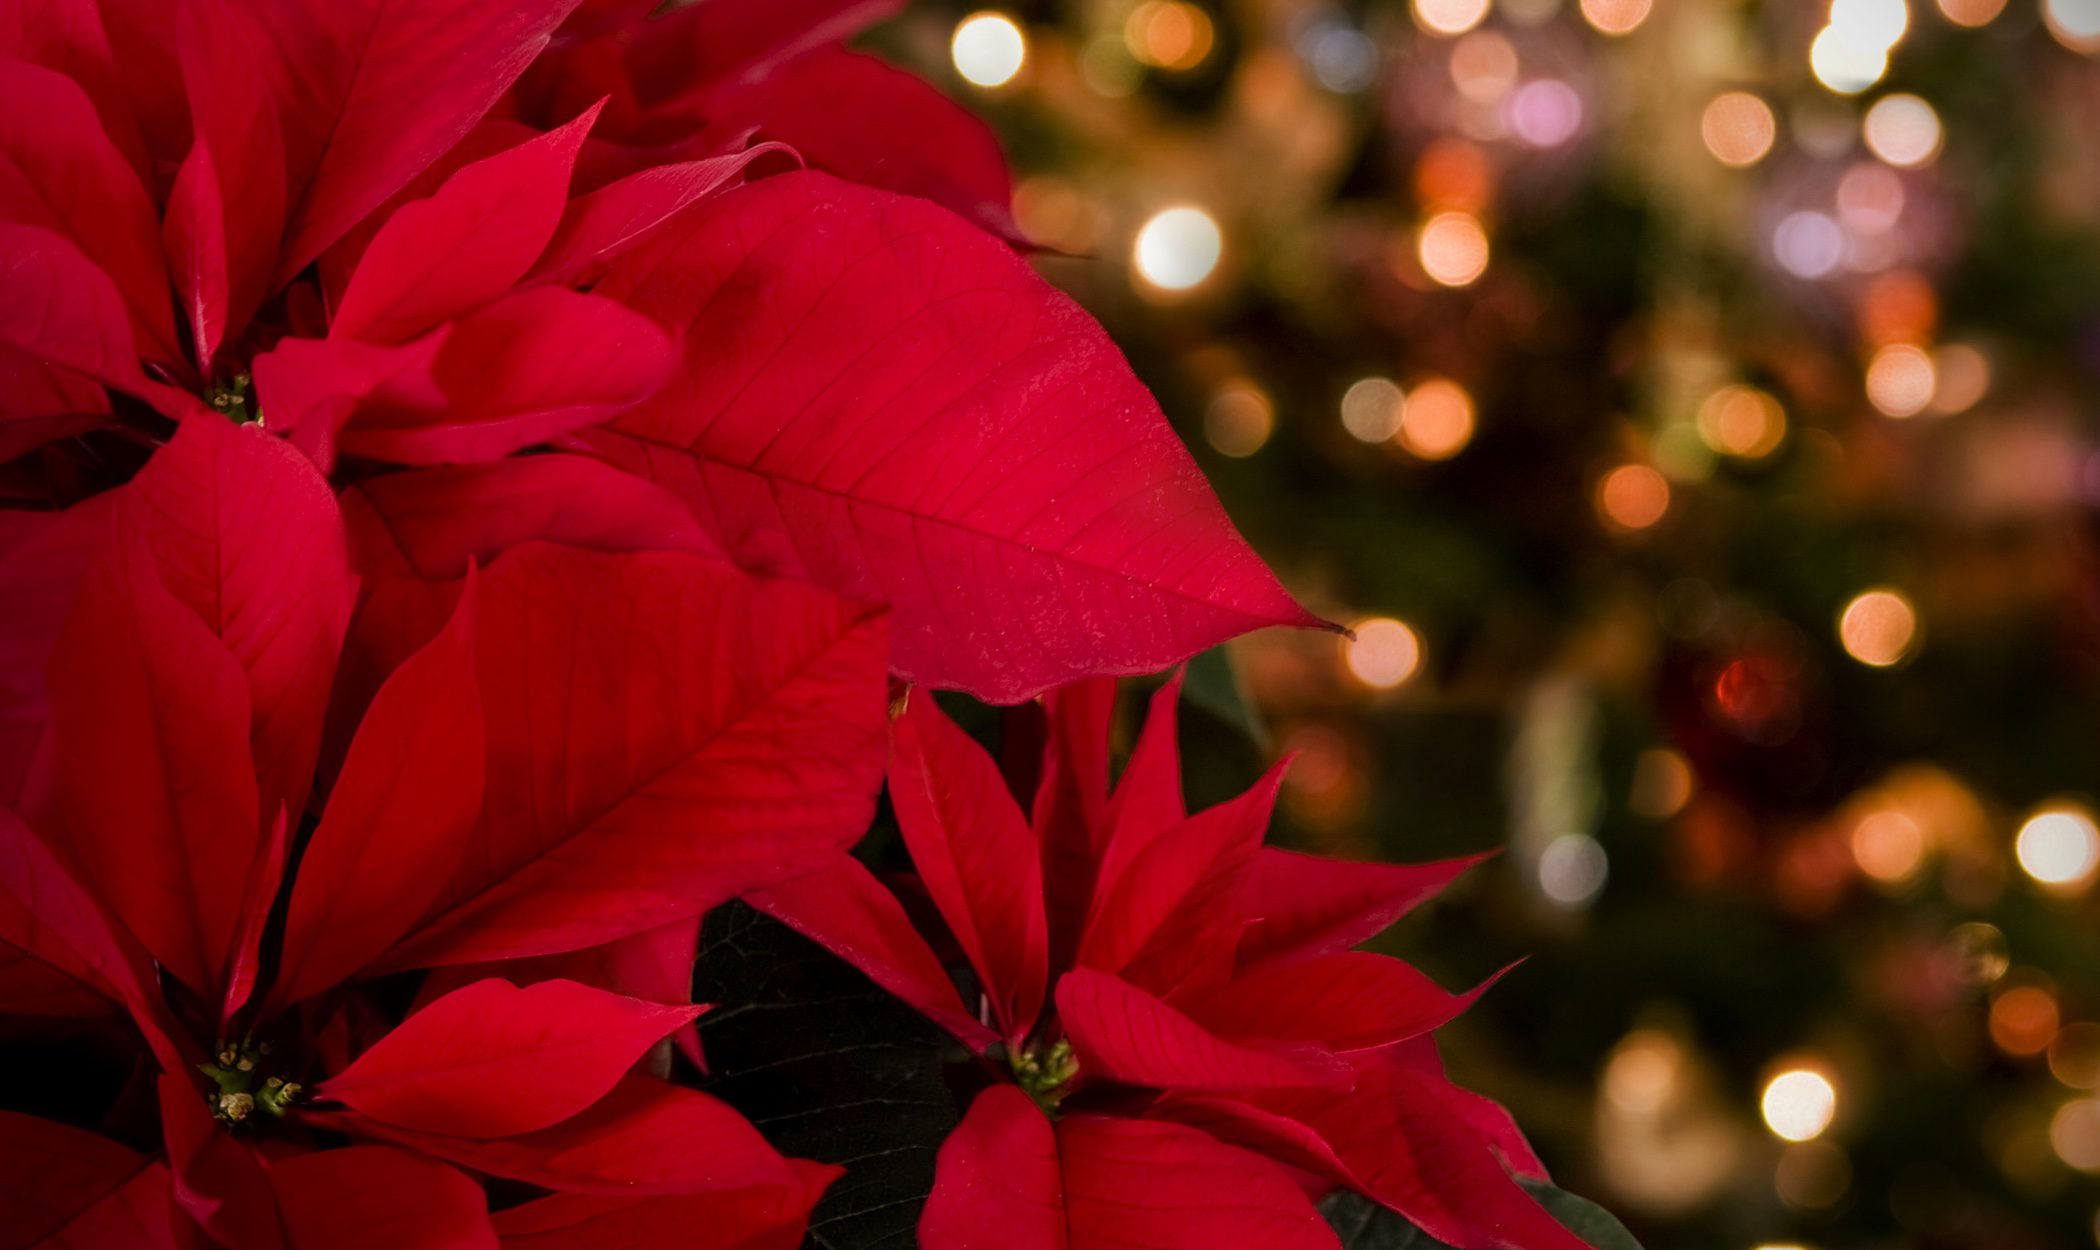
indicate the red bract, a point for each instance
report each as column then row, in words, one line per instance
column 590, row 750
column 1172, row 1015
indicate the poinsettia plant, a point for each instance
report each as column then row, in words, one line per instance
column 491, row 483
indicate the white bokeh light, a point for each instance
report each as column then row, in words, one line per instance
column 1178, row 248
column 988, row 49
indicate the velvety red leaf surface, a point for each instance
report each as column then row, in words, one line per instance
column 366, row 1196
column 877, row 397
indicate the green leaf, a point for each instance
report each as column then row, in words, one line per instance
column 1361, row 1224
column 1214, row 685
column 829, row 1067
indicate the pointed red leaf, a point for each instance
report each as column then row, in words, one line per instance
column 68, row 36
column 1125, row 1035
column 525, row 369
column 1132, row 1183
column 374, row 90
column 59, row 170
column 55, row 1182
column 365, row 1196
column 142, row 690
column 397, row 821
column 976, row 856
column 844, row 909
column 1308, row 904
column 439, row 257
column 767, row 1218
column 258, row 903
column 218, row 1179
column 137, row 1215
column 311, row 388
column 646, row 1137
column 1350, row 1000
column 1147, row 801
column 881, row 399
column 494, row 1060
column 700, row 49
column 996, row 1183
column 1070, row 813
column 664, row 734
column 599, row 228
column 43, row 556
column 871, row 123
column 226, row 213
column 62, row 309
column 246, row 533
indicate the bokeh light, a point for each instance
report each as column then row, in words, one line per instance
column 1887, row 845
column 1616, row 17
column 2023, row 1019
column 1449, row 17
column 1545, row 113
column 1870, row 197
column 1878, row 627
column 1971, row 13
column 1178, row 248
column 1900, row 380
column 1843, row 66
column 1963, row 378
column 1742, row 421
column 1662, row 783
column 2059, row 846
column 1239, row 420
column 2074, row 1133
column 1438, row 421
column 1573, row 869
column 1633, row 496
column 1870, row 23
column 1738, row 128
column 1372, row 408
column 1484, row 66
column 988, row 49
column 1453, row 248
column 1168, row 34
column 1799, row 1104
column 1384, row 653
column 2075, row 23
column 1808, row 244
column 1902, row 130
column 2074, row 1055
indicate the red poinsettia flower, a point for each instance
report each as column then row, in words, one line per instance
column 591, row 750
column 1176, row 1027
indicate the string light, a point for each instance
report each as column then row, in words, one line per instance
column 1845, row 67
column 1453, row 248
column 1239, row 420
column 1799, row 1104
column 1633, row 496
column 1878, row 627
column 1384, row 653
column 1438, row 420
column 1902, row 130
column 1900, row 380
column 1616, row 17
column 1178, row 248
column 1742, row 421
column 1169, row 34
column 2059, row 847
column 1887, row 845
column 989, row 49
column 2023, row 1020
column 1738, row 128
column 1449, row 17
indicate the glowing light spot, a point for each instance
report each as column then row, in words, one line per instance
column 1742, row 421
column 1978, row 952
column 1178, row 248
column 1546, row 113
column 1616, row 17
column 2075, row 23
column 1662, row 783
column 1633, row 496
column 1843, row 66
column 1799, row 1104
column 1971, row 13
column 2023, row 1020
column 1449, row 17
column 1738, row 128
column 1870, row 23
column 1887, row 845
column 989, row 49
column 1371, row 409
column 1438, row 421
column 1902, row 130
column 1483, row 67
column 1644, row 1071
column 2074, row 1056
column 1878, row 627
column 1454, row 174
column 1239, row 420
column 1808, row 245
column 1169, row 34
column 1900, row 380
column 1384, row 653
column 1870, row 198
column 1453, row 248
column 1342, row 57
column 2058, row 846
column 1572, row 869
column 1899, row 306
column 1964, row 378
column 2075, row 1133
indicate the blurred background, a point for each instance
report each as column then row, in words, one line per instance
column 1692, row 406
